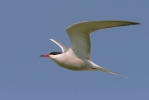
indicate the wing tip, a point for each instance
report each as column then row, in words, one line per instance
column 51, row 40
column 126, row 21
column 136, row 23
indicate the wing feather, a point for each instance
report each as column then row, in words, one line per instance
column 63, row 47
column 79, row 34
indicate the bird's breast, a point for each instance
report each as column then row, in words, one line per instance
column 71, row 63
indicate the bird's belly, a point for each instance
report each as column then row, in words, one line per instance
column 73, row 64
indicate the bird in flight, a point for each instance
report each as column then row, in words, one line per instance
column 77, row 56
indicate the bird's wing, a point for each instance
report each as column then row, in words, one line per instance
column 63, row 47
column 79, row 34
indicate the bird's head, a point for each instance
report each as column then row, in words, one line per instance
column 51, row 54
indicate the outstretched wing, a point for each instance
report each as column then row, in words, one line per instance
column 79, row 34
column 63, row 47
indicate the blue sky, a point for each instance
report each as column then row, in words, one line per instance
column 27, row 26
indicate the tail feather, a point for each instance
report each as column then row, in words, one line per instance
column 111, row 72
column 97, row 67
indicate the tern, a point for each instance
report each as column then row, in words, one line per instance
column 77, row 57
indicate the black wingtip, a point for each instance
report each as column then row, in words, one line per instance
column 136, row 23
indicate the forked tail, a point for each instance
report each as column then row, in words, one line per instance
column 111, row 72
column 97, row 67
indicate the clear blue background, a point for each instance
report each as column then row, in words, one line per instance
column 26, row 27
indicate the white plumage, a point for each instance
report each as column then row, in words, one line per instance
column 77, row 57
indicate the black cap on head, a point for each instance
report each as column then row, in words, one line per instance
column 55, row 53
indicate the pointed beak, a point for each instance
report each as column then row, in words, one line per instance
column 45, row 55
column 41, row 55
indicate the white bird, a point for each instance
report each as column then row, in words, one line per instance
column 77, row 57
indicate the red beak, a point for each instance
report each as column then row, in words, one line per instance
column 45, row 55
